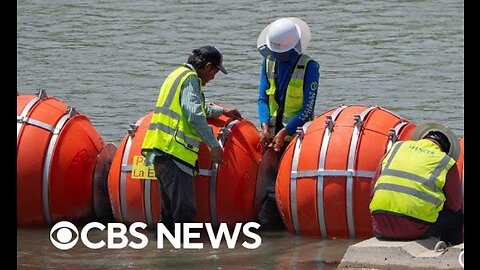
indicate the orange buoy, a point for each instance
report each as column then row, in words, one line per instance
column 224, row 193
column 132, row 195
column 323, row 182
column 460, row 166
column 57, row 150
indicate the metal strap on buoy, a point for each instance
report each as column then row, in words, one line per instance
column 222, row 138
column 71, row 112
column 148, row 202
column 293, row 184
column 22, row 118
column 330, row 122
column 147, row 188
column 358, row 122
column 321, row 166
column 393, row 134
column 126, row 168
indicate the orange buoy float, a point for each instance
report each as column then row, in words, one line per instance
column 224, row 193
column 460, row 166
column 324, row 177
column 133, row 196
column 57, row 150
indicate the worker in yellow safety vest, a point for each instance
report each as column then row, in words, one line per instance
column 176, row 130
column 416, row 191
column 288, row 87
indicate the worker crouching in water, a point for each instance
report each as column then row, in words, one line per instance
column 416, row 191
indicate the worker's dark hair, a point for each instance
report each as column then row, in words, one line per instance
column 440, row 138
column 201, row 56
column 196, row 59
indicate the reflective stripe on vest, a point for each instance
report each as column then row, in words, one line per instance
column 169, row 130
column 412, row 180
column 294, row 93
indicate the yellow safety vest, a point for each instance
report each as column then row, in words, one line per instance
column 169, row 130
column 294, row 94
column 412, row 179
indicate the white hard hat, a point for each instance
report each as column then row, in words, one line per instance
column 283, row 35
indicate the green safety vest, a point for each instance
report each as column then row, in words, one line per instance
column 169, row 130
column 412, row 179
column 294, row 94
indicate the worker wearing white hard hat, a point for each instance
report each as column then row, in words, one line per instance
column 283, row 35
column 288, row 80
column 288, row 87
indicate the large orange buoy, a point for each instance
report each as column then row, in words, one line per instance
column 224, row 193
column 324, row 177
column 57, row 150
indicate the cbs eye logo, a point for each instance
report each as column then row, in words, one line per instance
column 64, row 238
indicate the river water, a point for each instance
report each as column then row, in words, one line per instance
column 108, row 58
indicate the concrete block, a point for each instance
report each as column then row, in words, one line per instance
column 419, row 254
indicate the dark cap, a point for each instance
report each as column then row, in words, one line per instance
column 450, row 144
column 440, row 138
column 211, row 54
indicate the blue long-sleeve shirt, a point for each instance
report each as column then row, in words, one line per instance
column 284, row 72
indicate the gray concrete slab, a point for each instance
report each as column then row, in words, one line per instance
column 420, row 254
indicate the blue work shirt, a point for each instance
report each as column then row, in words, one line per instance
column 284, row 72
